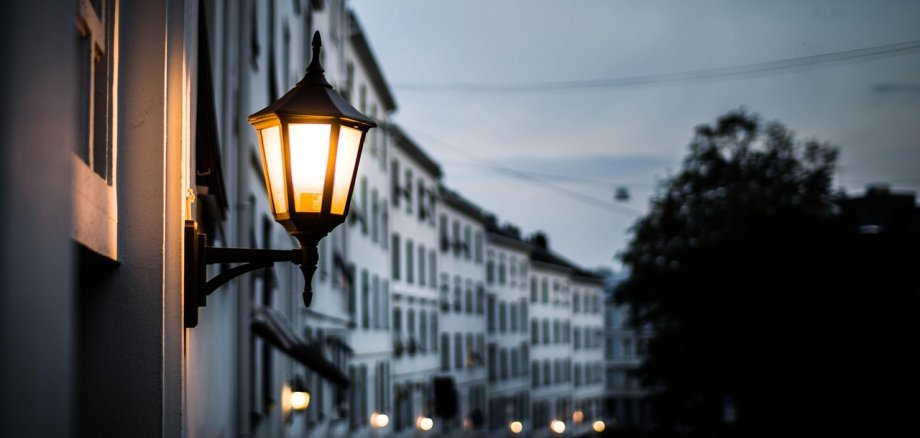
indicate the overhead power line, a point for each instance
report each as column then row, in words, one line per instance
column 532, row 178
column 867, row 53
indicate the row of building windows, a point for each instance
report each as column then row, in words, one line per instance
column 588, row 374
column 467, row 351
column 557, row 333
column 586, row 303
column 426, row 198
column 463, row 299
column 508, row 363
column 550, row 372
column 421, row 334
column 511, row 272
column 504, row 317
column 468, row 246
column 371, row 213
column 374, row 302
column 422, row 269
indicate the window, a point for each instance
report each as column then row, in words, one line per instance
column 457, row 294
column 397, row 322
column 502, row 277
column 477, row 247
column 442, row 232
column 577, row 338
column 376, row 304
column 456, row 239
column 576, row 302
column 557, row 338
column 421, row 200
column 445, row 352
column 421, row 265
column 469, row 297
column 395, row 256
column 535, row 374
column 547, row 373
column 384, row 223
column 407, row 190
column 434, row 330
column 503, row 363
column 534, row 332
column 490, row 271
column 533, row 289
column 513, row 265
column 458, row 351
column 410, row 264
column 386, row 304
column 546, row 331
column 375, row 216
column 545, row 297
column 524, row 315
column 410, row 329
column 365, row 300
column 423, row 330
column 95, row 205
column 514, row 317
column 394, row 183
column 480, row 299
column 515, row 363
column 467, row 253
column 469, row 350
column 490, row 308
column 493, row 366
column 502, row 324
column 432, row 268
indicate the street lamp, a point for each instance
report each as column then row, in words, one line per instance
column 599, row 426
column 516, row 427
column 310, row 141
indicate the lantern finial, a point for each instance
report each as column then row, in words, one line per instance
column 315, row 69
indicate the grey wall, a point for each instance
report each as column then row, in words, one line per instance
column 39, row 54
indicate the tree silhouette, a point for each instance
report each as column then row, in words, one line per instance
column 732, row 270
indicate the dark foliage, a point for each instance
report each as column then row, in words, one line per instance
column 733, row 269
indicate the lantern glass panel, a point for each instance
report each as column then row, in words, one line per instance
column 274, row 165
column 309, row 144
column 346, row 157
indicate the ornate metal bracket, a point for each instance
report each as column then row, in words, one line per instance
column 198, row 255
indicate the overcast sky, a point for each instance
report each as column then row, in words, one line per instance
column 558, row 143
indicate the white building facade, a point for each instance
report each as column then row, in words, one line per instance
column 507, row 286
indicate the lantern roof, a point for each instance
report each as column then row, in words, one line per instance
column 313, row 96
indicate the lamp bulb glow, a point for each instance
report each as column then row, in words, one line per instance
column 516, row 427
column 379, row 421
column 300, row 400
column 424, row 423
column 599, row 426
column 557, row 426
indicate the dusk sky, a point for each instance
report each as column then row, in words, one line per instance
column 549, row 157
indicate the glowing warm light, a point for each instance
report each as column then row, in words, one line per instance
column 309, row 158
column 557, row 426
column 300, row 400
column 274, row 165
column 599, row 426
column 516, row 427
column 424, row 423
column 467, row 423
column 379, row 421
column 578, row 417
column 345, row 157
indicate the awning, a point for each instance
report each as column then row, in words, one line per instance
column 268, row 324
